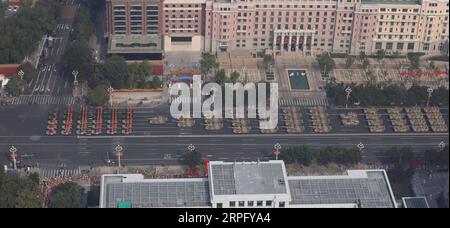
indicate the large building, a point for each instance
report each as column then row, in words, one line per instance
column 249, row 184
column 281, row 26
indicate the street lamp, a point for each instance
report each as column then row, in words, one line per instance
column 13, row 154
column 75, row 74
column 21, row 74
column 277, row 152
column 119, row 153
column 348, row 90
column 441, row 145
column 191, row 148
column 110, row 91
column 360, row 146
column 429, row 91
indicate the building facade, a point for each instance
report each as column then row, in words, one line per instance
column 283, row 26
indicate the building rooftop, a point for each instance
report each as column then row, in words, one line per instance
column 415, row 202
column 247, row 178
column 120, row 44
column 366, row 189
column 9, row 70
column 137, row 192
column 401, row 2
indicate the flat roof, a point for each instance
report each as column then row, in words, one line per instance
column 400, row 2
column 364, row 188
column 415, row 202
column 248, row 178
column 149, row 193
column 122, row 44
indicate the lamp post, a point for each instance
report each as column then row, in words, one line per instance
column 441, row 146
column 110, row 91
column 430, row 92
column 191, row 148
column 348, row 91
column 277, row 152
column 119, row 153
column 21, row 74
column 75, row 74
column 13, row 154
column 360, row 146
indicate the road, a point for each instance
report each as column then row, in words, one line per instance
column 168, row 149
column 52, row 79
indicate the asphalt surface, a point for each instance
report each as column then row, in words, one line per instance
column 23, row 126
column 52, row 79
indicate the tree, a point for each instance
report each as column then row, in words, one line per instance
column 156, row 82
column 20, row 192
column 349, row 60
column 67, row 195
column 99, row 95
column 29, row 71
column 432, row 66
column 362, row 56
column 79, row 57
column 381, row 54
column 16, row 86
column 208, row 62
column 326, row 63
column 365, row 63
column 414, row 60
column 220, row 77
column 115, row 71
column 193, row 159
column 234, row 76
column 93, row 196
column 267, row 58
column 398, row 155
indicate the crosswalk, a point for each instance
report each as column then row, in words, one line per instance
column 58, row 173
column 42, row 99
column 304, row 101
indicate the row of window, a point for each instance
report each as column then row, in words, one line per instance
column 258, row 203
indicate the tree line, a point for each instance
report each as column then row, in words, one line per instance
column 305, row 155
column 385, row 95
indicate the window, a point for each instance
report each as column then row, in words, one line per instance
column 399, row 46
column 268, row 203
column 259, row 203
column 377, row 45
column 241, row 203
column 219, row 205
column 282, row 204
column 410, row 46
column 389, row 46
column 250, row 203
column 232, row 204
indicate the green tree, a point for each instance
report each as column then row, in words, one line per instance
column 267, row 58
column 16, row 86
column 234, row 76
column 115, row 71
column 362, row 56
column 67, row 195
column 326, row 63
column 29, row 71
column 220, row 77
column 381, row 54
column 398, row 154
column 208, row 62
column 79, row 57
column 349, row 60
column 156, row 82
column 93, row 196
column 365, row 63
column 193, row 159
column 99, row 95
column 414, row 60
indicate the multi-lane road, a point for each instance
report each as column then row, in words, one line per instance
column 25, row 129
column 52, row 79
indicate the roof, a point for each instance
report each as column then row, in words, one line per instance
column 138, row 192
column 364, row 188
column 415, row 202
column 9, row 69
column 247, row 178
column 400, row 2
column 123, row 44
